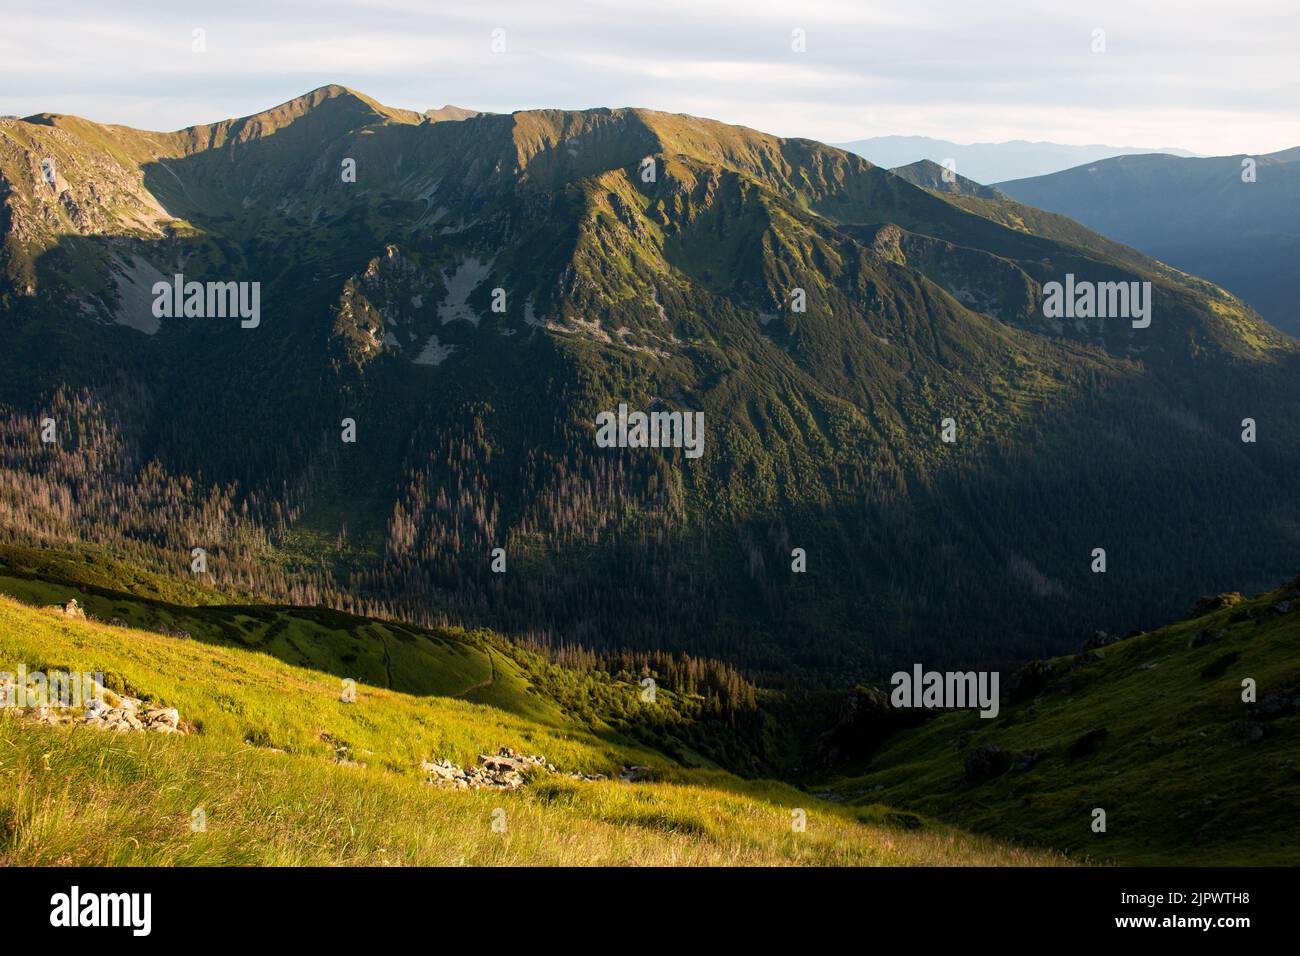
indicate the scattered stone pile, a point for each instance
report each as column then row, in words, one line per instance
column 504, row 770
column 115, row 712
column 443, row 773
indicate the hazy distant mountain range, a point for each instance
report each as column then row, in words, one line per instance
column 1233, row 219
column 991, row 162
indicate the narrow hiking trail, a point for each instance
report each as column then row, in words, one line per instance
column 388, row 658
column 492, row 662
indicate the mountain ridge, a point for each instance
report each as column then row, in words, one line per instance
column 993, row 162
column 1201, row 214
column 661, row 285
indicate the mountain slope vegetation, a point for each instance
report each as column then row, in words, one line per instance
column 1158, row 730
column 644, row 259
column 704, row 713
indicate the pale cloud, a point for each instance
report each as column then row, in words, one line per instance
column 1207, row 76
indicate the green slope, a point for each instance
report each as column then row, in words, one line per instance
column 694, row 720
column 287, row 773
column 1152, row 729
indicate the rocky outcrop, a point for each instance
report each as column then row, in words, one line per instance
column 1214, row 602
column 1098, row 640
column 986, row 762
column 71, row 609
column 504, row 770
column 1029, row 681
column 115, row 712
column 1278, row 704
column 443, row 773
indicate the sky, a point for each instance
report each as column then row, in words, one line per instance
column 1210, row 77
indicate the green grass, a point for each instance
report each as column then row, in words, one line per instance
column 1178, row 785
column 262, row 766
column 78, row 797
column 38, row 575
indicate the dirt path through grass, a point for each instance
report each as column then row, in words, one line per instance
column 483, row 683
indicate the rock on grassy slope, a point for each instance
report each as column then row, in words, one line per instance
column 1153, row 729
column 284, row 771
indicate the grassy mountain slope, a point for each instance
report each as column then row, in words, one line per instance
column 704, row 715
column 273, row 763
column 1152, row 729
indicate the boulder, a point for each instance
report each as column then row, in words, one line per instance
column 985, row 762
column 1025, row 759
column 1203, row 637
column 1099, row 639
column 1248, row 732
column 1029, row 681
column 166, row 716
column 501, row 763
column 1088, row 743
